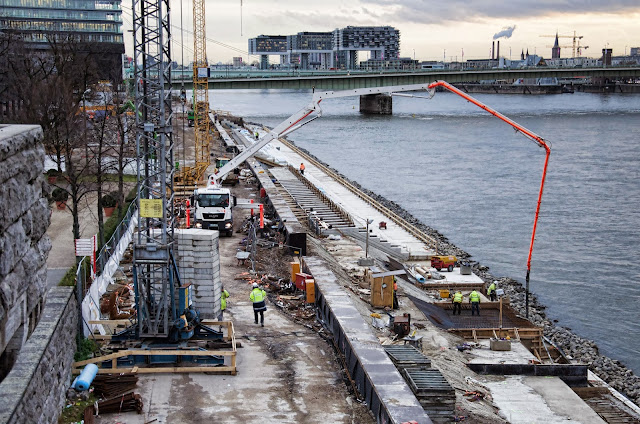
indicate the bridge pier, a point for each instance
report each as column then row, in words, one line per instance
column 376, row 104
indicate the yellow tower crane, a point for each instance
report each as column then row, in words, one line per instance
column 202, row 127
column 576, row 43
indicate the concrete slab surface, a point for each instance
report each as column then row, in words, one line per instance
column 484, row 355
column 355, row 206
column 538, row 400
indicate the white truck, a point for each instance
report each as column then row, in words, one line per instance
column 213, row 207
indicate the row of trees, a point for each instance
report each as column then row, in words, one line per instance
column 51, row 88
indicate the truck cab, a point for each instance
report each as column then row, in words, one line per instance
column 442, row 262
column 212, row 209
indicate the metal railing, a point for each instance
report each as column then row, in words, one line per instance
column 109, row 247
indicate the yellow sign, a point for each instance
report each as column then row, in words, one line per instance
column 151, row 208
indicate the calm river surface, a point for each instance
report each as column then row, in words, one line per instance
column 471, row 177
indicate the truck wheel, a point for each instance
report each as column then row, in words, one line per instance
column 450, row 268
column 229, row 233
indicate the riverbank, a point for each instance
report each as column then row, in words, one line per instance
column 574, row 346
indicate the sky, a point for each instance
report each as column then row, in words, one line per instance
column 429, row 30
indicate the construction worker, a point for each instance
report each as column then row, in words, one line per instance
column 302, row 168
column 457, row 302
column 223, row 302
column 256, row 135
column 258, row 297
column 474, row 299
column 491, row 291
column 395, row 293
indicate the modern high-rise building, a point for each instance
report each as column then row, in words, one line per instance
column 95, row 24
column 325, row 50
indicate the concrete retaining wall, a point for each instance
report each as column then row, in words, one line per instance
column 34, row 391
column 384, row 390
column 24, row 219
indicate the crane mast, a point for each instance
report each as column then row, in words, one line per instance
column 200, row 92
column 154, row 271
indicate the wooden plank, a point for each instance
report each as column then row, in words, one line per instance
column 111, row 322
column 148, row 352
column 211, row 368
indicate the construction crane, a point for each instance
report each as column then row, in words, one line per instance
column 163, row 307
column 188, row 175
column 576, row 42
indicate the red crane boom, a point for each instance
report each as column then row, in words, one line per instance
column 529, row 134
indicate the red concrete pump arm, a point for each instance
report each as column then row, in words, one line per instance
column 539, row 140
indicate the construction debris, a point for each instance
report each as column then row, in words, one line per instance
column 108, row 386
column 118, row 404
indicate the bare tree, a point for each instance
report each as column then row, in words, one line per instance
column 48, row 87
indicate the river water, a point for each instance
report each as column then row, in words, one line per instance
column 474, row 179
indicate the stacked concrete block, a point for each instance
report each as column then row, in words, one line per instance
column 24, row 246
column 199, row 265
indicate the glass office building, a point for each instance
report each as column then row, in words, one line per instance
column 96, row 24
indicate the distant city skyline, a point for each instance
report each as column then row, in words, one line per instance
column 428, row 30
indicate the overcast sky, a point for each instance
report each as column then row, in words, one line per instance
column 429, row 29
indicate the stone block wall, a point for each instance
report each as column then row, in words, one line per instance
column 24, row 246
column 35, row 389
column 199, row 264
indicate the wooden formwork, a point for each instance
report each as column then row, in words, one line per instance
column 115, row 369
column 530, row 337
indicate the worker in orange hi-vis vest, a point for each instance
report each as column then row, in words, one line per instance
column 302, row 168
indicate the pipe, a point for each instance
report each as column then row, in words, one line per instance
column 529, row 134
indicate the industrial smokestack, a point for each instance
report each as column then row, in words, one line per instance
column 493, row 48
column 498, row 51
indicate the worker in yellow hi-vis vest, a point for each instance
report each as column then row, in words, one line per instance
column 474, row 299
column 491, row 291
column 258, row 296
column 457, row 302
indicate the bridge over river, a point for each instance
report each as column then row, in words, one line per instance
column 342, row 80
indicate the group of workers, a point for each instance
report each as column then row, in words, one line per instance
column 257, row 296
column 474, row 299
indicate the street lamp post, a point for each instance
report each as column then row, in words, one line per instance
column 84, row 115
column 366, row 250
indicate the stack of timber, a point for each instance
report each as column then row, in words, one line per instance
column 432, row 390
column 108, row 386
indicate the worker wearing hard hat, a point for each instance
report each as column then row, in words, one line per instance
column 474, row 299
column 491, row 291
column 395, row 293
column 258, row 297
column 457, row 302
